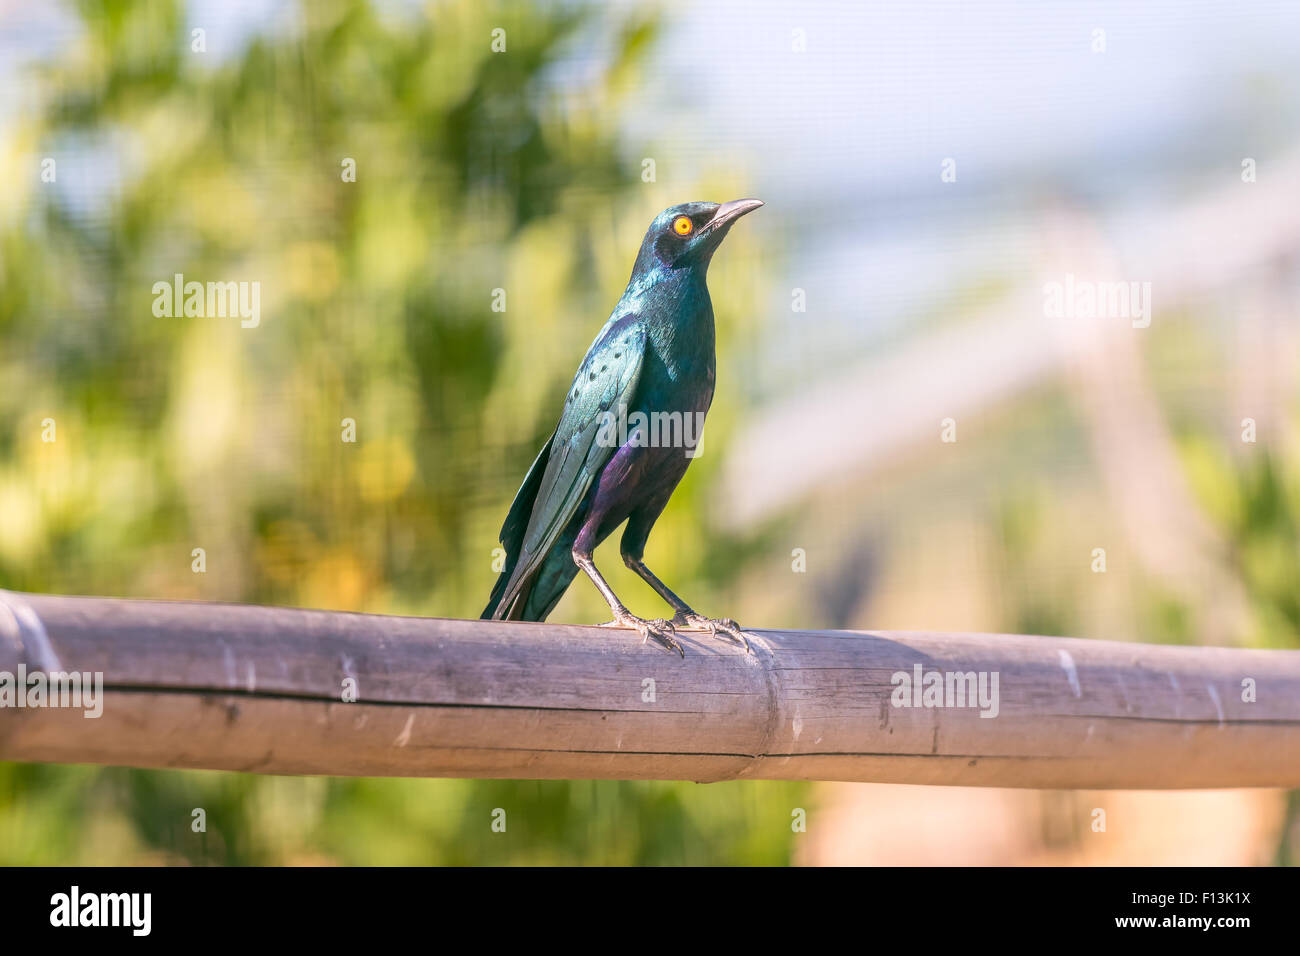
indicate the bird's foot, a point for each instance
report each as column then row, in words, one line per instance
column 725, row 626
column 659, row 629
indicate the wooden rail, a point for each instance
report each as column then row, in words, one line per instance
column 262, row 690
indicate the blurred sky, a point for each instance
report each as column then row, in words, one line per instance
column 845, row 140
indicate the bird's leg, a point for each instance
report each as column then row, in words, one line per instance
column 685, row 616
column 660, row 630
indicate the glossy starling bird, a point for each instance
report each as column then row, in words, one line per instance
column 652, row 364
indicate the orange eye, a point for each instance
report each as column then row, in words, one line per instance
column 682, row 225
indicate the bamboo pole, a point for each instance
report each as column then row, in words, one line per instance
column 263, row 690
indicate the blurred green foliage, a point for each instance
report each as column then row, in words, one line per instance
column 1254, row 501
column 1249, row 493
column 475, row 171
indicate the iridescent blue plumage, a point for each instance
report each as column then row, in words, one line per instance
column 652, row 362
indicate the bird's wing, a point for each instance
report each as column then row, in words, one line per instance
column 606, row 380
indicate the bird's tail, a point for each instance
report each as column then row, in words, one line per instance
column 512, row 539
column 515, row 611
column 498, row 589
column 536, row 596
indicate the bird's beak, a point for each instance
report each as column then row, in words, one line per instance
column 731, row 211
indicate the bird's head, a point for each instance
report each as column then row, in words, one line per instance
column 686, row 235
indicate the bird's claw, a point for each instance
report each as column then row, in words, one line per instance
column 659, row 629
column 725, row 626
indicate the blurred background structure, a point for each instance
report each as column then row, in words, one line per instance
column 929, row 169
